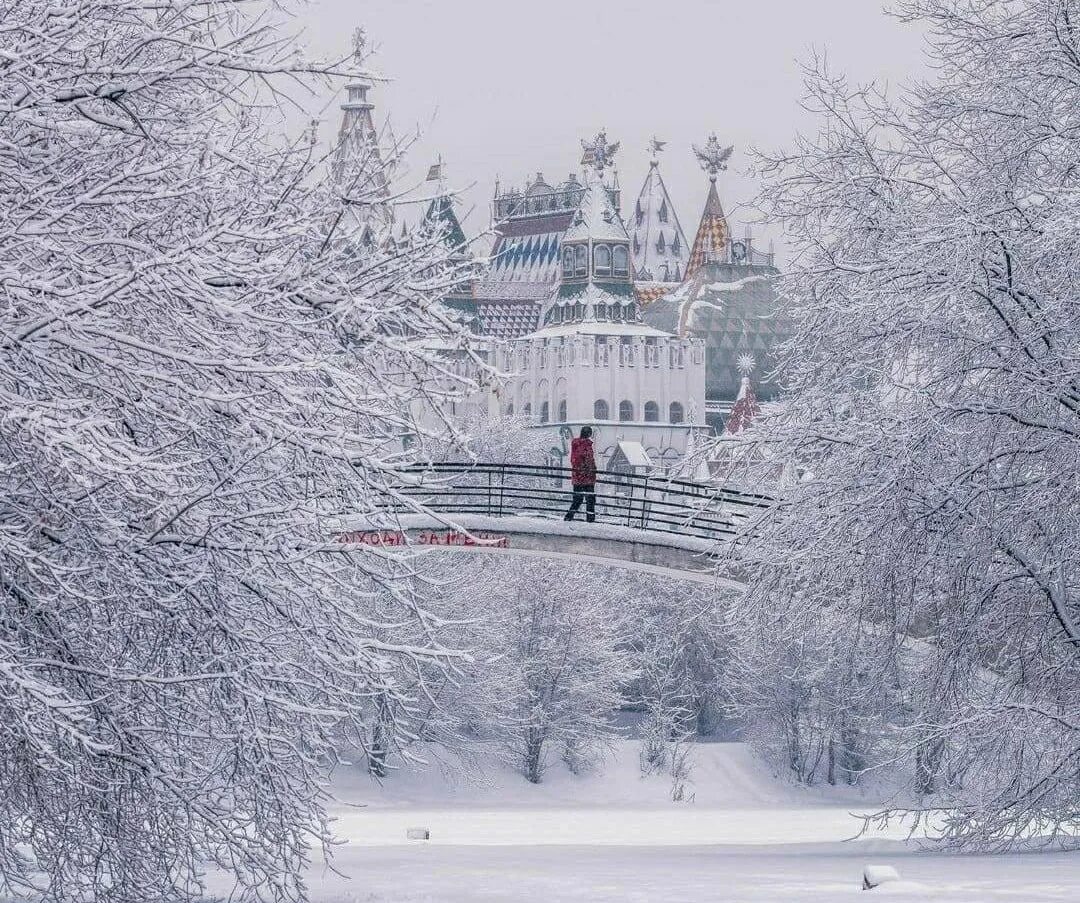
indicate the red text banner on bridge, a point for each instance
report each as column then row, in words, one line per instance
column 424, row 538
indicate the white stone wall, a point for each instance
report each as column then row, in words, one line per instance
column 580, row 370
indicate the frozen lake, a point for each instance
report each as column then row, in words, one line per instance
column 614, row 836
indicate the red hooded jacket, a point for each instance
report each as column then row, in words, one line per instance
column 582, row 462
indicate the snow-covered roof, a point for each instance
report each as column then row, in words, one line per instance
column 734, row 308
column 596, row 218
column 658, row 244
column 635, row 454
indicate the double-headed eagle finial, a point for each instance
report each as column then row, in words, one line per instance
column 713, row 158
column 598, row 153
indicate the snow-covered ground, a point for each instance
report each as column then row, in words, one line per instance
column 614, row 836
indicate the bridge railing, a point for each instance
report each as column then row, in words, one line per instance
column 643, row 502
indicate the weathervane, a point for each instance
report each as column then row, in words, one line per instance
column 359, row 43
column 598, row 153
column 655, row 147
column 713, row 158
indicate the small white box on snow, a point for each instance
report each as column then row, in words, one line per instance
column 417, row 834
column 873, row 875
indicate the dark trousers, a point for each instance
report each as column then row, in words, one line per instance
column 588, row 493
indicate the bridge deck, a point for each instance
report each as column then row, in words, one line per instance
column 647, row 522
column 671, row 555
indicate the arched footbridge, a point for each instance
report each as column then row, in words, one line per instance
column 647, row 523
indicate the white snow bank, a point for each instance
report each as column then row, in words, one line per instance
column 731, row 799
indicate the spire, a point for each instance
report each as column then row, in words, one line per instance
column 746, row 406
column 595, row 282
column 596, row 216
column 713, row 234
column 659, row 244
column 357, row 164
column 441, row 216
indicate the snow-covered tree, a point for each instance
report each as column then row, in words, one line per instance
column 547, row 639
column 934, row 406
column 198, row 373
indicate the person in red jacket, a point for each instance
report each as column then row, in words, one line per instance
column 583, row 475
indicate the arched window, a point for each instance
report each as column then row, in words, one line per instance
column 663, row 212
column 626, row 411
column 526, row 409
column 600, row 410
column 568, row 263
column 631, row 312
column 675, row 412
column 652, row 412
column 661, row 245
column 545, row 412
column 602, row 260
column 562, row 410
column 582, row 260
column 621, row 261
column 600, row 311
column 510, row 410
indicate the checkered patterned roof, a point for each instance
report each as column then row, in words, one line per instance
column 713, row 233
column 508, row 319
column 527, row 250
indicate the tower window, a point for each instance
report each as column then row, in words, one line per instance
column 663, row 212
column 600, row 410
column 568, row 263
column 675, row 412
column 621, row 261
column 602, row 260
column 661, row 245
column 562, row 411
column 652, row 412
column 545, row 412
column 582, row 260
column 626, row 411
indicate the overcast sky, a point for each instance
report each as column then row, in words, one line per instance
column 502, row 88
